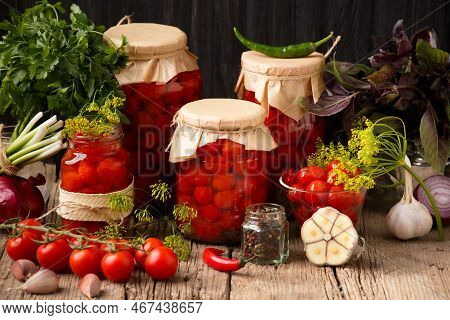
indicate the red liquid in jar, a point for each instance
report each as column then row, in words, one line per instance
column 220, row 183
column 150, row 108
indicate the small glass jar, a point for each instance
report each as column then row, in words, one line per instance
column 219, row 148
column 95, row 166
column 265, row 234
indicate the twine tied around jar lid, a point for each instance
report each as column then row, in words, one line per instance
column 5, row 164
column 282, row 83
column 91, row 207
column 206, row 121
column 157, row 53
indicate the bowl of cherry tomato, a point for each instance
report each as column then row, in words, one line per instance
column 312, row 188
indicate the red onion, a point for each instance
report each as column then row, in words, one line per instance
column 19, row 197
column 439, row 187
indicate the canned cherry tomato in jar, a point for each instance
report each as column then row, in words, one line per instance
column 219, row 148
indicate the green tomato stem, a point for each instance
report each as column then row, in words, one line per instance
column 430, row 197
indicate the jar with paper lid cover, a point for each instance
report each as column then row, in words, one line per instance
column 282, row 87
column 161, row 76
column 220, row 148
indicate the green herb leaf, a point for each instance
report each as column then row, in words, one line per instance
column 430, row 141
column 430, row 58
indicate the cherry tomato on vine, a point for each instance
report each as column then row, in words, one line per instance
column 54, row 255
column 117, row 245
column 148, row 245
column 34, row 223
column 23, row 246
column 161, row 263
column 118, row 266
column 85, row 261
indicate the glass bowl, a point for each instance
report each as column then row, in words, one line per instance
column 303, row 204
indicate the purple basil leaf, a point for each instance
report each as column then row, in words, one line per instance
column 330, row 104
column 424, row 34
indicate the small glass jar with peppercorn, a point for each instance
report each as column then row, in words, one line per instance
column 265, row 234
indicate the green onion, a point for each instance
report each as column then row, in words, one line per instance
column 36, row 143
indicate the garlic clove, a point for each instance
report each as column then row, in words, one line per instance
column 22, row 269
column 42, row 282
column 90, row 285
column 336, row 254
column 342, row 223
column 311, row 232
column 348, row 238
column 317, row 252
column 325, row 218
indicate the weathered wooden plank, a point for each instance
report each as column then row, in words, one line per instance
column 194, row 280
column 297, row 279
column 394, row 269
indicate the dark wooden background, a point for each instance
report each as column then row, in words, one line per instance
column 209, row 23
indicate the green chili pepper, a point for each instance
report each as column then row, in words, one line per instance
column 299, row 50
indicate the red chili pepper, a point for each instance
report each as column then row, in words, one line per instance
column 213, row 258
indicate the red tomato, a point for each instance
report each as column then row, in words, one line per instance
column 339, row 198
column 118, row 266
column 306, row 175
column 223, row 182
column 232, row 149
column 332, row 165
column 117, row 245
column 54, row 255
column 197, row 177
column 113, row 172
column 23, row 246
column 203, row 195
column 289, row 177
column 87, row 172
column 33, row 223
column 85, row 261
column 225, row 199
column 316, row 193
column 296, row 196
column 161, row 263
column 231, row 221
column 71, row 181
column 210, row 212
column 147, row 246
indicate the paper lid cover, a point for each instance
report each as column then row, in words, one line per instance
column 205, row 121
column 282, row 83
column 147, row 39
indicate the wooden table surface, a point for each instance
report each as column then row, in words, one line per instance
column 388, row 269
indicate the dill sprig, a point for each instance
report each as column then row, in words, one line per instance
column 144, row 215
column 179, row 245
column 161, row 191
column 95, row 120
column 184, row 215
column 111, row 231
column 120, row 202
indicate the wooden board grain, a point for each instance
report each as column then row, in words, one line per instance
column 297, row 279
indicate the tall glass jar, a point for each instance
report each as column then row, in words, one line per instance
column 160, row 77
column 220, row 154
column 265, row 234
column 98, row 165
column 282, row 86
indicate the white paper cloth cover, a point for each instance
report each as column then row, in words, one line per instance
column 205, row 121
column 282, row 83
column 157, row 53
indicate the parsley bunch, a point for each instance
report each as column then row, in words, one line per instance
column 50, row 64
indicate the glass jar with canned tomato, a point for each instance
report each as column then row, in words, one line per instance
column 160, row 77
column 220, row 148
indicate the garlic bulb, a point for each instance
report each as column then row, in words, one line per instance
column 329, row 237
column 409, row 218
